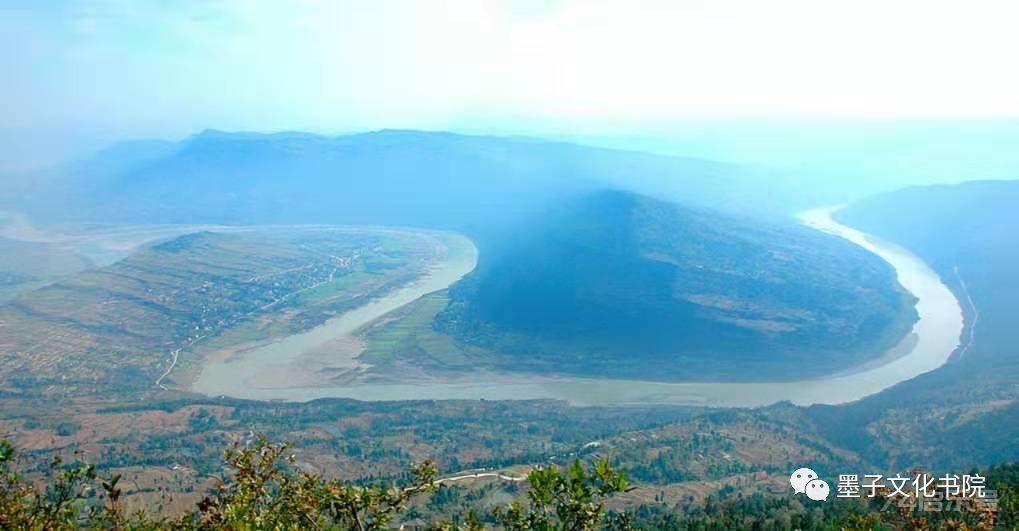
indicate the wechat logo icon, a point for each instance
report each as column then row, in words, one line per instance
column 805, row 481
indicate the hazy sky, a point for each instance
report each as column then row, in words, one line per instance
column 168, row 68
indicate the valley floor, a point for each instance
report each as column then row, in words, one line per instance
column 399, row 375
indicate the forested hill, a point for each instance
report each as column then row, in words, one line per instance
column 624, row 285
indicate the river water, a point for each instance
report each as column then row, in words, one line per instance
column 934, row 337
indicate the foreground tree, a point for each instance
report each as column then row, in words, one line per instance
column 570, row 500
column 267, row 491
column 66, row 501
column 264, row 489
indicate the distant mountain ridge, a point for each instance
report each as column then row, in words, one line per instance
column 945, row 224
column 391, row 177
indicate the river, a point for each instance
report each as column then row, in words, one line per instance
column 930, row 344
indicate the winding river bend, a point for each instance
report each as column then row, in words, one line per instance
column 930, row 344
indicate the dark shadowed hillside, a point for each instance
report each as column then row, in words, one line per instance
column 625, row 285
column 389, row 177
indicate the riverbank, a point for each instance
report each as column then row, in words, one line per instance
column 272, row 370
column 929, row 345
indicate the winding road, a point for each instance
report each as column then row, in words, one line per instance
column 971, row 331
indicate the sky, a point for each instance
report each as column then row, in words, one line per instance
column 89, row 71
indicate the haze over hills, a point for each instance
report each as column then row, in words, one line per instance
column 622, row 284
column 967, row 411
column 948, row 225
column 388, row 177
column 845, row 159
column 575, row 276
